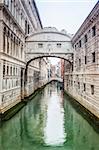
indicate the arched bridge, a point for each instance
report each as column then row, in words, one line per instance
column 49, row 42
column 59, row 79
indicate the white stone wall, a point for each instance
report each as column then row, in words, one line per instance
column 83, row 82
column 49, row 42
column 16, row 22
column 44, row 71
column 32, row 78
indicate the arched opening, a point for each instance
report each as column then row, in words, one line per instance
column 40, row 57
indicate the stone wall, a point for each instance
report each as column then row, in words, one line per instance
column 83, row 82
column 16, row 22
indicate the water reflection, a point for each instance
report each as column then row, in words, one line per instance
column 48, row 122
column 81, row 134
column 54, row 131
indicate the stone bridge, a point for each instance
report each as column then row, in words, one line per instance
column 49, row 42
column 56, row 79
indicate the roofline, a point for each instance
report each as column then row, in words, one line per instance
column 82, row 25
column 43, row 32
column 37, row 13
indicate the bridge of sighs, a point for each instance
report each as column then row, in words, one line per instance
column 48, row 42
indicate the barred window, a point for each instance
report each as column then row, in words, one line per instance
column 92, row 89
column 78, row 85
column 93, row 57
column 10, row 70
column 85, row 60
column 14, row 71
column 7, row 70
column 79, row 62
column 3, row 70
column 93, row 31
column 4, row 41
column 84, row 86
column 28, row 29
column 40, row 45
column 80, row 43
column 59, row 45
column 86, row 38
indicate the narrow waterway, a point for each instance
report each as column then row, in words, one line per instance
column 48, row 122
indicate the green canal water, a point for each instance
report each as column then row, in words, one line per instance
column 48, row 122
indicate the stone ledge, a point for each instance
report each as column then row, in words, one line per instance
column 12, row 111
column 89, row 116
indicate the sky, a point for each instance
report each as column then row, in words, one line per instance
column 64, row 14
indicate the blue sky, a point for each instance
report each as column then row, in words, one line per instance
column 64, row 14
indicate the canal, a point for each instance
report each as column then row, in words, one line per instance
column 48, row 122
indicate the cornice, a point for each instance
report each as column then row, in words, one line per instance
column 88, row 21
column 48, row 32
column 37, row 12
column 14, row 20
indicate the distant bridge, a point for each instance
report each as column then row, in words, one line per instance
column 56, row 79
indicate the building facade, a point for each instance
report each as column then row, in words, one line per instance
column 19, row 24
column 18, row 19
column 82, row 82
column 48, row 42
column 22, row 38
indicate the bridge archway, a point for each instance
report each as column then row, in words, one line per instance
column 48, row 42
column 40, row 57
